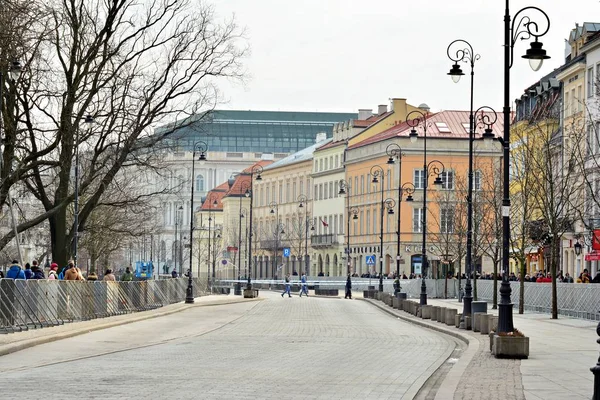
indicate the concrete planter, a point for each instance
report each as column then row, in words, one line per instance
column 468, row 323
column 477, row 321
column 396, row 303
column 426, row 312
column 450, row 316
column 493, row 324
column 434, row 312
column 402, row 296
column 250, row 293
column 484, row 324
column 514, row 347
column 478, row 306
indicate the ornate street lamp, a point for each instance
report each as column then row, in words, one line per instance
column 201, row 148
column 255, row 170
column 432, row 168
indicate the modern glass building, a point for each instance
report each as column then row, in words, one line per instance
column 255, row 131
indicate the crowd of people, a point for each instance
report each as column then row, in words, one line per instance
column 68, row 273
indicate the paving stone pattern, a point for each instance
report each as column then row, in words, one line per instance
column 309, row 348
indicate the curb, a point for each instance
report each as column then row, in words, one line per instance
column 26, row 343
column 450, row 383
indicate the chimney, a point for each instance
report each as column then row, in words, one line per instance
column 364, row 113
column 381, row 109
column 399, row 105
column 321, row 136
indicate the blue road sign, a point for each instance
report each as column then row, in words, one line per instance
column 370, row 260
column 286, row 252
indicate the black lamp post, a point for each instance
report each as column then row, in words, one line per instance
column 212, row 201
column 395, row 151
column 409, row 189
column 345, row 190
column 243, row 215
column 307, row 224
column 278, row 229
column 256, row 169
column 434, row 167
column 244, row 188
column 377, row 173
column 466, row 54
column 200, row 147
column 525, row 29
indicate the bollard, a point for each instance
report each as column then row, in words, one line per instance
column 493, row 324
column 457, row 320
column 434, row 313
column 468, row 323
column 396, row 303
column 596, row 371
column 442, row 315
column 484, row 324
column 426, row 312
column 476, row 321
column 450, row 316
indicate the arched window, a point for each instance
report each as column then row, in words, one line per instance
column 199, row 183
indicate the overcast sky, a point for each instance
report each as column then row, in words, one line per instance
column 342, row 55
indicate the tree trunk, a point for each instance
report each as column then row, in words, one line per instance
column 495, row 297
column 553, row 263
column 58, row 236
column 522, row 288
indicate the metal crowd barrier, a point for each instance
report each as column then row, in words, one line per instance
column 30, row 304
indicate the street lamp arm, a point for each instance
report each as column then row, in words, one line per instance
column 408, row 188
column 376, row 171
column 525, row 29
column 393, row 150
column 435, row 167
column 416, row 117
column 465, row 54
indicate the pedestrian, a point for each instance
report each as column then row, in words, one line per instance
column 127, row 275
column 303, row 287
column 28, row 271
column 348, row 288
column 15, row 271
column 568, row 278
column 52, row 274
column 288, row 288
column 1, row 275
column 396, row 285
column 73, row 273
column 38, row 273
column 174, row 273
column 109, row 276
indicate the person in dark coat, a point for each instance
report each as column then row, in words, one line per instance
column 348, row 288
column 38, row 273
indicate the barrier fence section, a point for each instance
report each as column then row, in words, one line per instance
column 30, row 304
column 574, row 299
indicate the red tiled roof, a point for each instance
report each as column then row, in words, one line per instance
column 331, row 145
column 453, row 119
column 261, row 163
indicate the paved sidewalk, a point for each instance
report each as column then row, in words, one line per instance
column 10, row 343
column 561, row 353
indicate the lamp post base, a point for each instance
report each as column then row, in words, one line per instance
column 423, row 297
column 189, row 293
column 505, row 308
column 381, row 284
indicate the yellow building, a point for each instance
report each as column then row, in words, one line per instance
column 447, row 142
column 385, row 120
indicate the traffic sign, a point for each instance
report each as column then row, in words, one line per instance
column 370, row 260
column 286, row 252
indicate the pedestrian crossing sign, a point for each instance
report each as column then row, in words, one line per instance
column 370, row 260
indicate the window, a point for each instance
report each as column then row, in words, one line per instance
column 374, row 222
column 417, row 220
column 341, row 219
column 466, row 126
column 579, row 99
column 331, row 162
column 294, row 193
column 447, row 220
column 316, row 193
column 287, row 193
column 199, row 183
column 442, row 127
column 590, row 82
column 336, row 189
column 368, row 221
column 567, row 110
column 326, row 196
column 321, row 165
column 268, row 196
column 477, row 180
column 280, row 198
column 447, row 180
column 307, row 188
column 419, row 178
column 573, row 109
column 389, row 180
column 326, row 164
column 362, row 184
column 336, row 161
column 331, row 194
column 316, row 167
column 320, row 191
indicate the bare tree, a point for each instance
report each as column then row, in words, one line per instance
column 554, row 187
column 133, row 66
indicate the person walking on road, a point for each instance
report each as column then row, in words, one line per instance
column 288, row 288
column 109, row 276
column 348, row 288
column 303, row 287
column 28, row 272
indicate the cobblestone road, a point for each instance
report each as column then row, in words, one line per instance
column 310, row 348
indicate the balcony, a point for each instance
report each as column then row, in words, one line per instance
column 328, row 240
